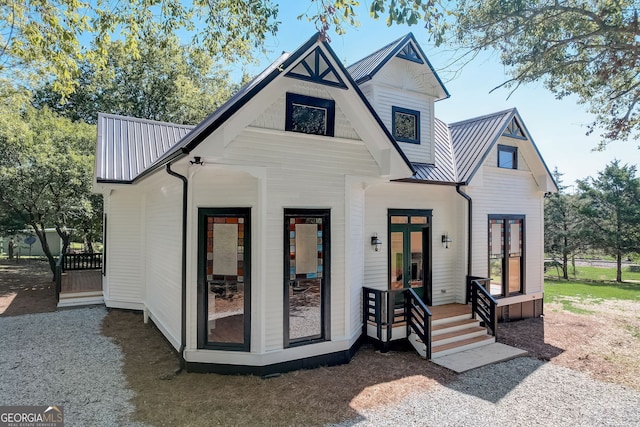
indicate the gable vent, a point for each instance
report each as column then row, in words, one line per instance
column 316, row 68
column 514, row 130
column 410, row 53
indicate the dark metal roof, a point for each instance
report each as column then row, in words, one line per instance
column 444, row 169
column 182, row 147
column 127, row 146
column 368, row 66
column 473, row 139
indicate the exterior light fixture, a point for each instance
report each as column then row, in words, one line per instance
column 446, row 240
column 376, row 243
column 197, row 160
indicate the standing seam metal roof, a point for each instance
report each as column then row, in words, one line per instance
column 127, row 146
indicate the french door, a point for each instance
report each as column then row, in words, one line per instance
column 224, row 278
column 410, row 251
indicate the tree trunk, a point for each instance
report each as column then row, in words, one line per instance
column 619, row 267
column 88, row 244
column 565, row 266
column 42, row 236
column 65, row 236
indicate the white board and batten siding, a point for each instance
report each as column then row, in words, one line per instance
column 124, row 281
column 500, row 191
column 448, row 265
column 163, row 252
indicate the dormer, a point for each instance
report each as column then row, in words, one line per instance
column 402, row 86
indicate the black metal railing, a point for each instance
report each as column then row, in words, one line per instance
column 58, row 277
column 484, row 281
column 384, row 309
column 81, row 261
column 418, row 318
column 388, row 308
column 483, row 306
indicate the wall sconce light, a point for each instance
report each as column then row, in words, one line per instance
column 376, row 243
column 197, row 160
column 446, row 240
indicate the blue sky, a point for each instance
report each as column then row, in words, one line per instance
column 558, row 127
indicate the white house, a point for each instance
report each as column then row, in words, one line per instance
column 320, row 205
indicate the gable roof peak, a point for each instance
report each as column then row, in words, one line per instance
column 406, row 47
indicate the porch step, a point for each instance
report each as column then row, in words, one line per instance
column 444, row 328
column 457, row 346
column 449, row 320
column 457, row 336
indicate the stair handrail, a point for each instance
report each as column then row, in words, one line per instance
column 484, row 305
column 418, row 318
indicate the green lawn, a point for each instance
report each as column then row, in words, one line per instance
column 568, row 293
column 597, row 274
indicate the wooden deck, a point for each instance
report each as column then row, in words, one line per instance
column 449, row 310
column 77, row 281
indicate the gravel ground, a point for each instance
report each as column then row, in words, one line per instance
column 61, row 358
column 522, row 391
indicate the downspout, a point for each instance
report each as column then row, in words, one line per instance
column 469, row 225
column 183, row 328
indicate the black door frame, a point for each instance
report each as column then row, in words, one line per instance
column 325, row 298
column 427, row 288
column 203, row 302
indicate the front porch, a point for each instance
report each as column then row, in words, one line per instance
column 434, row 331
column 79, row 280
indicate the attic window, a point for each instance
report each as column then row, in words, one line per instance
column 307, row 114
column 507, row 157
column 406, row 125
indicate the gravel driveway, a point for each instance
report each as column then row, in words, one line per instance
column 61, row 358
column 521, row 392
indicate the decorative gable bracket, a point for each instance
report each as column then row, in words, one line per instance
column 514, row 130
column 410, row 53
column 316, row 68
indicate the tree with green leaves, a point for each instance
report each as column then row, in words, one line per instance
column 562, row 226
column 167, row 82
column 587, row 48
column 45, row 169
column 610, row 206
column 53, row 37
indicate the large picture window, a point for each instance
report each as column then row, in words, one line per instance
column 406, row 125
column 224, row 278
column 311, row 115
column 307, row 274
column 506, row 254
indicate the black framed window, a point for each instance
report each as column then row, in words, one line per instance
column 506, row 254
column 307, row 114
column 507, row 157
column 406, row 125
column 307, row 273
column 224, row 278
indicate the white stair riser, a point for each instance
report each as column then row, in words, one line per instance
column 435, row 354
column 448, row 329
column 450, row 319
column 420, row 347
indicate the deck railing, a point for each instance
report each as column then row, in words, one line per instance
column 483, row 306
column 418, row 318
column 389, row 308
column 58, row 277
column 81, row 261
